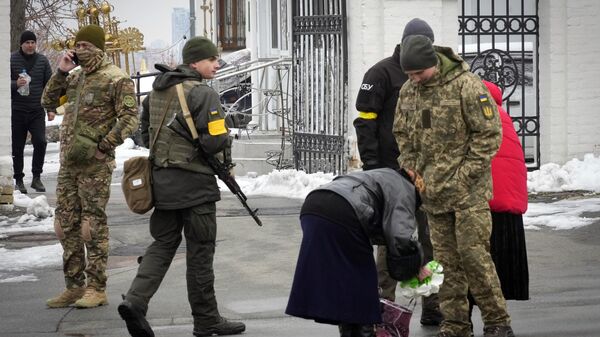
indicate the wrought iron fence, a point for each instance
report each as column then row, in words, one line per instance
column 500, row 41
column 319, row 82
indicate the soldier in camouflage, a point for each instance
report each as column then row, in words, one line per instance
column 376, row 103
column 448, row 129
column 100, row 113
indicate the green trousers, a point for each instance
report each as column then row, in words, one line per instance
column 199, row 226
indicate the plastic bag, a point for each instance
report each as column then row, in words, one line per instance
column 430, row 285
column 24, row 90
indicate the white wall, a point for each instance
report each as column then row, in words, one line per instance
column 375, row 28
column 5, row 138
column 569, row 73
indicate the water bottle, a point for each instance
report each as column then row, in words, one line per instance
column 24, row 90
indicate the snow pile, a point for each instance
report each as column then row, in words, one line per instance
column 573, row 175
column 282, row 183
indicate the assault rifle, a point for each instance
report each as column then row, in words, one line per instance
column 221, row 169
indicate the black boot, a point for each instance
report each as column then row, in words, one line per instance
column 364, row 331
column 346, row 330
column 20, row 186
column 135, row 318
column 431, row 315
column 223, row 327
column 356, row 330
column 37, row 185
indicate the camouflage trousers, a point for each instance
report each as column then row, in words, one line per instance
column 82, row 192
column 461, row 243
column 386, row 283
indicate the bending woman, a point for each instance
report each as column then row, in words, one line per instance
column 336, row 280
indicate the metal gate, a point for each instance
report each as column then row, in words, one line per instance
column 319, row 82
column 499, row 39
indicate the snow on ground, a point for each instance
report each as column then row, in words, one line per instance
column 16, row 265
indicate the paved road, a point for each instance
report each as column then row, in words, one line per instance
column 254, row 268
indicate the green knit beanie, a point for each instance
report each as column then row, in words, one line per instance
column 93, row 34
column 197, row 49
column 417, row 53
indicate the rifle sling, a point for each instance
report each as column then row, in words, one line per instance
column 186, row 111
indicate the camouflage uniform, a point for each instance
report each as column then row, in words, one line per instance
column 448, row 130
column 103, row 100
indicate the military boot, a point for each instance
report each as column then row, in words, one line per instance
column 92, row 298
column 135, row 318
column 431, row 315
column 20, row 186
column 66, row 298
column 223, row 327
column 498, row 331
column 37, row 185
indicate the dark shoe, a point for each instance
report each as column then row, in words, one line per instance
column 20, row 186
column 364, row 331
column 135, row 318
column 498, row 331
column 37, row 185
column 356, row 330
column 346, row 330
column 224, row 327
column 431, row 315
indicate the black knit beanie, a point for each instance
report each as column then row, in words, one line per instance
column 93, row 34
column 197, row 49
column 417, row 26
column 27, row 36
column 417, row 53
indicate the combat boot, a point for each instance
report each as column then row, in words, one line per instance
column 37, row 185
column 20, row 186
column 223, row 327
column 135, row 318
column 92, row 298
column 498, row 331
column 66, row 298
column 431, row 315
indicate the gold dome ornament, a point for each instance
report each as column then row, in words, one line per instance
column 131, row 39
column 106, row 8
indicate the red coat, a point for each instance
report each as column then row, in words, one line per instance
column 509, row 172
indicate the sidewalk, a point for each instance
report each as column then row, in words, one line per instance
column 254, row 268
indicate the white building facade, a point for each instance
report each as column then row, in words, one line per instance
column 557, row 103
column 6, row 180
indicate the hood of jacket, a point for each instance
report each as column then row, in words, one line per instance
column 495, row 91
column 450, row 66
column 171, row 77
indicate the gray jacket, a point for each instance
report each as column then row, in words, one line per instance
column 385, row 204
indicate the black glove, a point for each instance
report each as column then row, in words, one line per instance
column 406, row 266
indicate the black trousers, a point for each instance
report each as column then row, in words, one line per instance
column 199, row 225
column 33, row 122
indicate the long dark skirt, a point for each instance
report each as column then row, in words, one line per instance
column 335, row 280
column 509, row 252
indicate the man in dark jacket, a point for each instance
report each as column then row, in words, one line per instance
column 185, row 190
column 376, row 103
column 28, row 115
